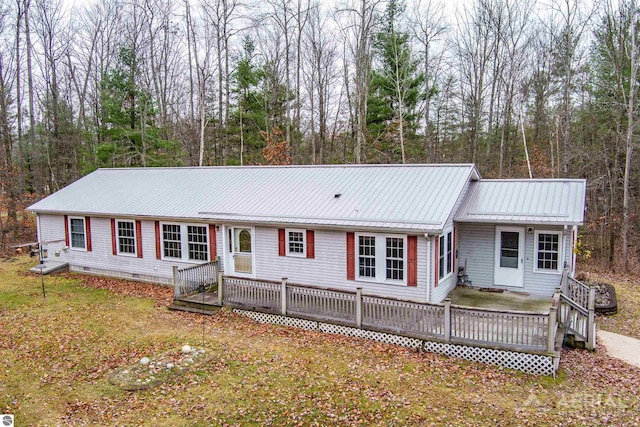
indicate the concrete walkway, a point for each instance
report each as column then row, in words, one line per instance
column 621, row 347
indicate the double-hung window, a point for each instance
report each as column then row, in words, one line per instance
column 381, row 258
column 77, row 233
column 446, row 254
column 197, row 241
column 296, row 242
column 548, row 251
column 188, row 242
column 126, row 237
column 367, row 256
column 395, row 258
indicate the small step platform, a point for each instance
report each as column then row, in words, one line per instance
column 50, row 267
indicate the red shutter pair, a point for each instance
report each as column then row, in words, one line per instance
column 87, row 230
column 412, row 259
column 114, row 238
column 282, row 243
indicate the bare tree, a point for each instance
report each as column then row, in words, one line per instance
column 429, row 27
column 361, row 20
column 474, row 50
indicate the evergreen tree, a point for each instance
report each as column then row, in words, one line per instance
column 130, row 136
column 395, row 84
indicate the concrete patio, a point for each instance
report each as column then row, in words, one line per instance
column 507, row 300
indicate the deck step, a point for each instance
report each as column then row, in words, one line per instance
column 209, row 310
column 50, row 267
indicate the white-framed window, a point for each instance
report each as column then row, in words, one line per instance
column 126, row 232
column 367, row 256
column 198, row 242
column 192, row 237
column 395, row 258
column 446, row 254
column 381, row 258
column 548, row 251
column 77, row 233
column 296, row 242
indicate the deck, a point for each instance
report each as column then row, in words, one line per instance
column 447, row 322
column 481, row 326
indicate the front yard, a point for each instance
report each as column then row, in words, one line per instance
column 58, row 353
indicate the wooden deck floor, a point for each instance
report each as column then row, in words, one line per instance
column 206, row 298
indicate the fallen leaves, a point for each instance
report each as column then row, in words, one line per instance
column 61, row 351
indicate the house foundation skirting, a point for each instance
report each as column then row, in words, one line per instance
column 121, row 275
column 536, row 364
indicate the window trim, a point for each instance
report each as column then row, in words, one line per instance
column 184, row 242
column 444, row 242
column 381, row 259
column 84, row 233
column 135, row 239
column 287, row 241
column 536, row 237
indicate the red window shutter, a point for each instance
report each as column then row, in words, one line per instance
column 437, row 261
column 87, row 226
column 412, row 261
column 351, row 256
column 114, row 243
column 281, row 242
column 311, row 244
column 66, row 231
column 212, row 243
column 158, row 252
column 139, row 238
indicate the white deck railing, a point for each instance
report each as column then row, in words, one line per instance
column 577, row 309
column 533, row 332
column 189, row 280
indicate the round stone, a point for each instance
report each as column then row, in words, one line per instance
column 186, row 349
column 170, row 365
column 144, row 361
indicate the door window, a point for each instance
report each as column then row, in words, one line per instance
column 509, row 249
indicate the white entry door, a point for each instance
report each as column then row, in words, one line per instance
column 240, row 251
column 509, row 256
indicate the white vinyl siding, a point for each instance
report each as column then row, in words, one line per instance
column 329, row 267
column 126, row 231
column 477, row 250
column 101, row 257
column 77, row 235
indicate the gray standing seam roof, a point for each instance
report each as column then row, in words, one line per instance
column 402, row 197
column 529, row 201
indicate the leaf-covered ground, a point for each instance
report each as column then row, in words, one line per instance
column 627, row 320
column 57, row 354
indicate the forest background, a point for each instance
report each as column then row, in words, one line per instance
column 520, row 88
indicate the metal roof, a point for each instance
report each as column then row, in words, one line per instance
column 401, row 197
column 529, row 201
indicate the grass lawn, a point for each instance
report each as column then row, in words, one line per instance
column 57, row 353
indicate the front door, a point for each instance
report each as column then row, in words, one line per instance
column 509, row 256
column 240, row 250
